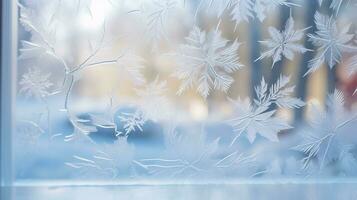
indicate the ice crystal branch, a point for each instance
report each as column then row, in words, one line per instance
column 283, row 43
column 189, row 155
column 132, row 121
column 157, row 18
column 322, row 142
column 112, row 160
column 35, row 83
column 207, row 60
column 243, row 10
column 153, row 105
column 335, row 4
column 257, row 118
column 330, row 41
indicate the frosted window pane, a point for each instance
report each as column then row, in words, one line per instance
column 186, row 90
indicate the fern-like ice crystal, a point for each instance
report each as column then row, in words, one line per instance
column 207, row 60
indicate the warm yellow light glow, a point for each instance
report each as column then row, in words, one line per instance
column 198, row 110
column 313, row 102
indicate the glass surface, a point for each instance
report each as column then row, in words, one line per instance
column 186, row 91
column 190, row 192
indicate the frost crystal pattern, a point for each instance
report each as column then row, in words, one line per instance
column 186, row 89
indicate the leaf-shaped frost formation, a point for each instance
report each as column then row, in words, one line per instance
column 35, row 83
column 132, row 121
column 42, row 39
column 207, row 60
column 242, row 10
column 157, row 16
column 322, row 141
column 218, row 7
column 331, row 42
column 335, row 4
column 279, row 94
column 257, row 118
column 283, row 43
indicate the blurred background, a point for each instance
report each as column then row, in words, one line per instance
column 104, row 30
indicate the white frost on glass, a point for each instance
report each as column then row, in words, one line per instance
column 163, row 77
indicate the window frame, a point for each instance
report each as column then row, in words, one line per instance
column 8, row 86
